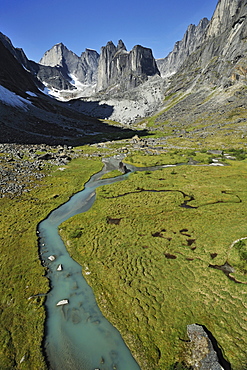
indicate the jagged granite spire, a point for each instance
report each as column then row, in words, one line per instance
column 121, row 45
column 83, row 68
column 182, row 49
column 119, row 68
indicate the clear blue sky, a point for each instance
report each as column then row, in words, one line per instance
column 37, row 25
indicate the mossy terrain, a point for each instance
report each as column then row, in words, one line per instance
column 148, row 255
column 154, row 247
column 22, row 276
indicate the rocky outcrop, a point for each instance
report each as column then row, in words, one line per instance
column 202, row 354
column 119, row 68
column 22, row 165
column 72, row 68
column 13, row 75
column 220, row 60
column 182, row 49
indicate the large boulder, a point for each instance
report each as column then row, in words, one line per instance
column 202, row 354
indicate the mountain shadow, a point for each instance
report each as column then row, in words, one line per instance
column 92, row 108
column 45, row 121
column 28, row 116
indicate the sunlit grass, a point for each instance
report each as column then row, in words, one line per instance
column 150, row 272
column 157, row 259
column 22, row 276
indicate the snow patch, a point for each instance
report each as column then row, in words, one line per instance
column 79, row 85
column 8, row 97
column 66, row 95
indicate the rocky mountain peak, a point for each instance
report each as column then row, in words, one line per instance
column 119, row 68
column 121, row 45
column 56, row 55
column 71, row 69
column 225, row 12
column 182, row 49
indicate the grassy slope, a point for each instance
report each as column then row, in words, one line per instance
column 205, row 118
column 22, row 276
column 151, row 298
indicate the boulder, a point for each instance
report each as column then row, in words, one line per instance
column 202, row 353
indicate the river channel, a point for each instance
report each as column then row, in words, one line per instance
column 77, row 335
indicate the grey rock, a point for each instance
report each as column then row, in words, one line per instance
column 221, row 57
column 182, row 49
column 122, row 69
column 70, row 66
column 45, row 157
column 203, row 356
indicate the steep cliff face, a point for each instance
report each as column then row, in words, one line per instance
column 227, row 32
column 223, row 16
column 69, row 68
column 16, row 52
column 15, row 71
column 122, row 69
column 221, row 59
column 182, row 49
column 88, row 71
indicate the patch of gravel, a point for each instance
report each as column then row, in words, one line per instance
column 21, row 166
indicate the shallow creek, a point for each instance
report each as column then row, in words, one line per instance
column 77, row 335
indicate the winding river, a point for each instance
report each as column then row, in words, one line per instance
column 77, row 335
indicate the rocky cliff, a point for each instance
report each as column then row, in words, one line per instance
column 220, row 59
column 202, row 353
column 83, row 68
column 182, row 49
column 119, row 68
column 13, row 74
column 74, row 71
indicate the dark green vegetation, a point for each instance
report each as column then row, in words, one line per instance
column 156, row 256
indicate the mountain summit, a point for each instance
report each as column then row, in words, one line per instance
column 182, row 49
column 121, row 69
column 78, row 71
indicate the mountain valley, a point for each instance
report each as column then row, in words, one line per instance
column 169, row 243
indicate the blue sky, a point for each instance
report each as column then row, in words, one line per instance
column 37, row 25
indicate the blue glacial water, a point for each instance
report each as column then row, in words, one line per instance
column 77, row 335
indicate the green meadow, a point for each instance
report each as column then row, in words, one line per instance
column 148, row 257
column 22, row 276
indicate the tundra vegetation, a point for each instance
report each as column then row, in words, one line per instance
column 154, row 244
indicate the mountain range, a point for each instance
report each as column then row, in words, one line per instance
column 120, row 85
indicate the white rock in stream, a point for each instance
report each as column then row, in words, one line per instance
column 51, row 258
column 62, row 302
column 59, row 267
